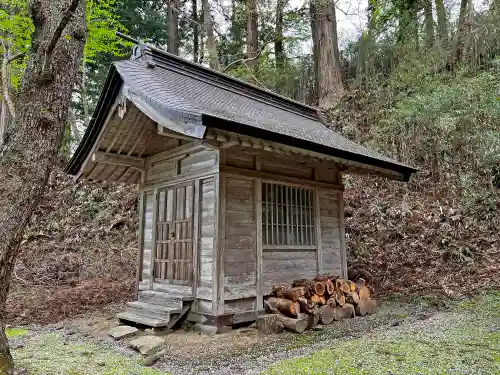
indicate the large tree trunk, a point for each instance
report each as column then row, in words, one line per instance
column 278, row 40
column 211, row 43
column 429, row 23
column 328, row 71
column 252, row 37
column 458, row 42
column 173, row 27
column 42, row 105
column 196, row 37
column 442, row 22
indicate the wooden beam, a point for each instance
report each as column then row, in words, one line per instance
column 167, row 133
column 115, row 159
column 279, row 178
column 179, row 151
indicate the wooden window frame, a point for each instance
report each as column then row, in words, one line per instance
column 288, row 216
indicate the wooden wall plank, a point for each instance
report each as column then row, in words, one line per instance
column 343, row 250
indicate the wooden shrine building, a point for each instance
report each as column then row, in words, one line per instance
column 240, row 188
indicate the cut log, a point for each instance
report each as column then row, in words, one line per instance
column 322, row 300
column 304, row 282
column 309, row 319
column 319, row 288
column 315, row 299
column 305, row 305
column 352, row 298
column 293, row 325
column 341, row 284
column 269, row 323
column 366, row 307
column 340, row 298
column 330, row 288
column 277, row 289
column 315, row 315
column 364, row 293
column 290, row 293
column 342, row 312
column 331, row 302
column 352, row 285
column 283, row 306
column 326, row 314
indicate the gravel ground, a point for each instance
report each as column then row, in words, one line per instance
column 83, row 345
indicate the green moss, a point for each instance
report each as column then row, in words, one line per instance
column 15, row 332
column 466, row 341
column 50, row 354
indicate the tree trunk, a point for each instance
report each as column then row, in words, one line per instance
column 42, row 105
column 252, row 37
column 429, row 23
column 328, row 71
column 278, row 40
column 173, row 27
column 211, row 43
column 458, row 42
column 84, row 96
column 442, row 22
column 196, row 37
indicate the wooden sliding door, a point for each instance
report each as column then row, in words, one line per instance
column 173, row 258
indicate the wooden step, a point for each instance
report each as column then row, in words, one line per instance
column 141, row 319
column 160, row 298
column 153, row 311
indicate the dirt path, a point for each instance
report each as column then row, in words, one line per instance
column 400, row 336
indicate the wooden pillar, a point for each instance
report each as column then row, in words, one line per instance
column 258, row 242
column 343, row 251
column 196, row 234
column 140, row 255
column 319, row 250
column 153, row 240
column 219, row 244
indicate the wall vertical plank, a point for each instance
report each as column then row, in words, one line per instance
column 319, row 250
column 140, row 255
column 258, row 241
column 155, row 230
column 196, row 234
column 343, row 254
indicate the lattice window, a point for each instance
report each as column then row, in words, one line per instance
column 287, row 215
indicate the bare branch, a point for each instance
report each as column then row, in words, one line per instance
column 60, row 28
column 17, row 56
column 243, row 61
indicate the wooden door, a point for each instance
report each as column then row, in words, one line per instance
column 174, row 239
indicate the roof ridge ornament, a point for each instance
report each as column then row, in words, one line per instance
column 141, row 50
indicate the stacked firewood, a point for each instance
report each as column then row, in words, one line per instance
column 306, row 303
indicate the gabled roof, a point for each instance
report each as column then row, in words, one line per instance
column 166, row 86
